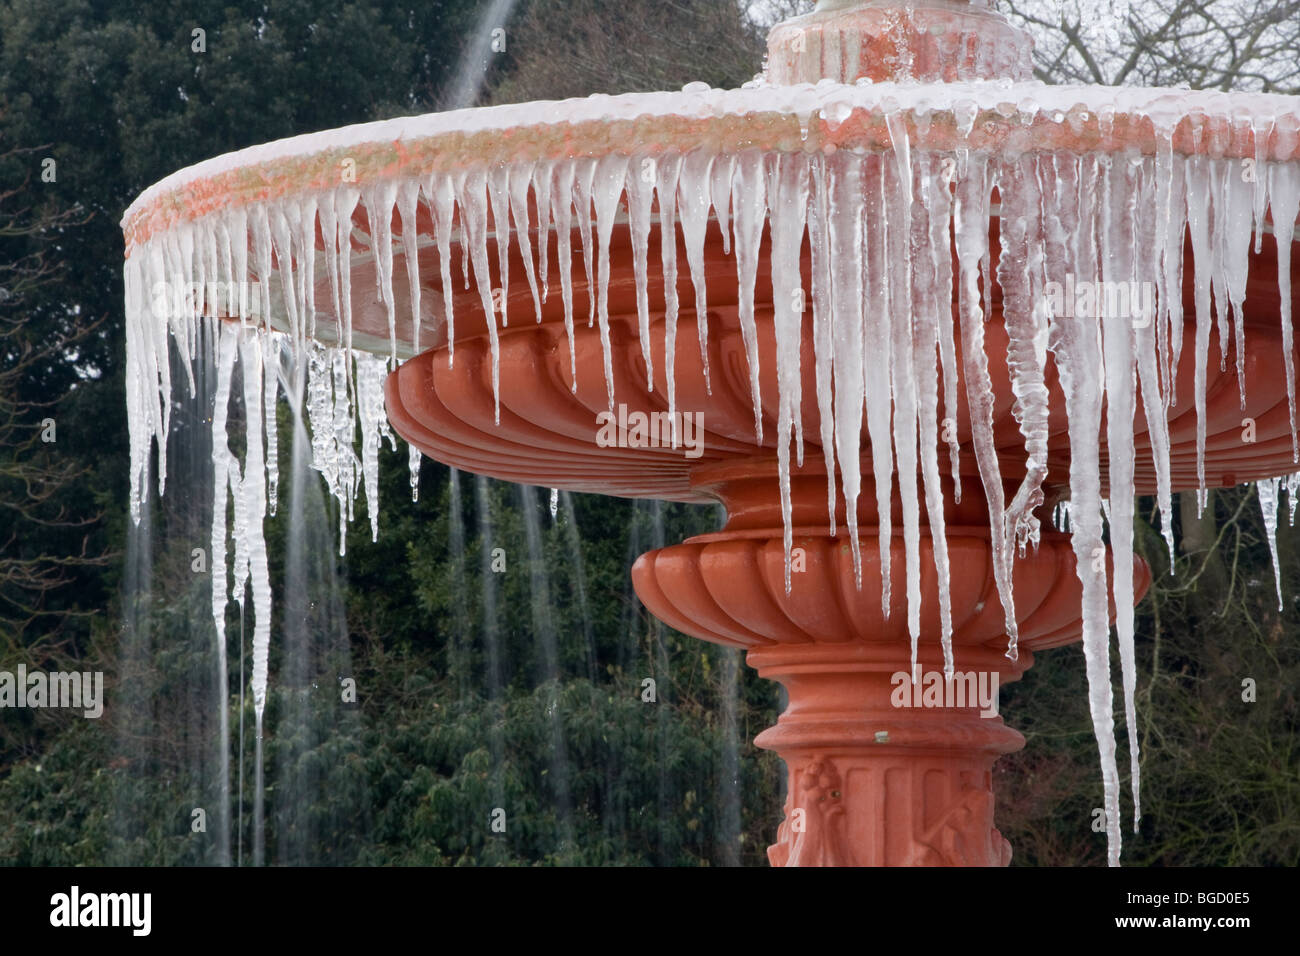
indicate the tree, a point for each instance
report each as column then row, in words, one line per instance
column 1203, row 44
column 34, row 477
column 620, row 46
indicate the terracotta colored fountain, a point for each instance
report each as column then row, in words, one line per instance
column 870, row 783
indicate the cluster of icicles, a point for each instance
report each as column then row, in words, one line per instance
column 879, row 225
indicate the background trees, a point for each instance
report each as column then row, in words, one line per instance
column 1204, row 44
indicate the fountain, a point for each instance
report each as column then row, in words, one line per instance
column 932, row 300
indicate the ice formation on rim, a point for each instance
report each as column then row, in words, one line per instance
column 881, row 221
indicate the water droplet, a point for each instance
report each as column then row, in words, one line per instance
column 836, row 113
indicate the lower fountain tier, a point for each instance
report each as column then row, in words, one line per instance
column 880, row 772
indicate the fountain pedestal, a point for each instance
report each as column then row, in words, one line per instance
column 882, row 771
column 874, row 782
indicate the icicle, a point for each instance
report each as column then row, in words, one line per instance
column 1284, row 192
column 306, row 270
column 1150, row 228
column 253, row 487
column 1019, row 272
column 1163, row 250
column 584, row 172
column 371, row 371
column 238, row 231
column 1260, row 135
column 607, row 189
column 847, row 241
column 877, row 363
column 320, row 415
column 408, row 199
column 379, row 201
column 413, row 466
column 225, row 268
column 329, row 230
column 141, row 383
column 824, row 343
column 261, row 231
column 721, row 180
column 543, row 172
column 1292, row 488
column 787, row 184
column 470, row 195
column 179, row 245
column 1171, row 271
column 282, row 232
column 158, row 376
column 226, row 346
column 1079, row 363
column 345, row 204
column 441, row 192
column 928, row 304
column 667, row 172
column 1198, row 190
column 342, row 457
column 938, row 200
column 1119, row 238
column 204, row 305
column 239, row 521
column 895, row 184
column 1268, row 496
column 750, row 203
column 1234, row 228
column 555, row 502
column 270, row 394
column 520, row 179
column 641, row 177
column 693, row 201
column 562, row 212
column 498, row 187
column 1217, row 214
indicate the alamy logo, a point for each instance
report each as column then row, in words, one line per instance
column 651, row 430
column 963, row 689
column 82, row 691
column 75, row 908
column 1102, row 299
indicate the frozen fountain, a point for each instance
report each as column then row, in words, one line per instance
column 926, row 300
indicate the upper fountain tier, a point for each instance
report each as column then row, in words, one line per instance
column 934, row 41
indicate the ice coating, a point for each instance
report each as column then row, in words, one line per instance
column 1268, row 491
column 413, row 459
column 1077, row 347
column 371, row 372
column 879, row 213
column 1119, row 262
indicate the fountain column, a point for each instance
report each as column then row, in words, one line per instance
column 927, row 41
column 873, row 782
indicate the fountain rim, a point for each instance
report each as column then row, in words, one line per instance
column 804, row 118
